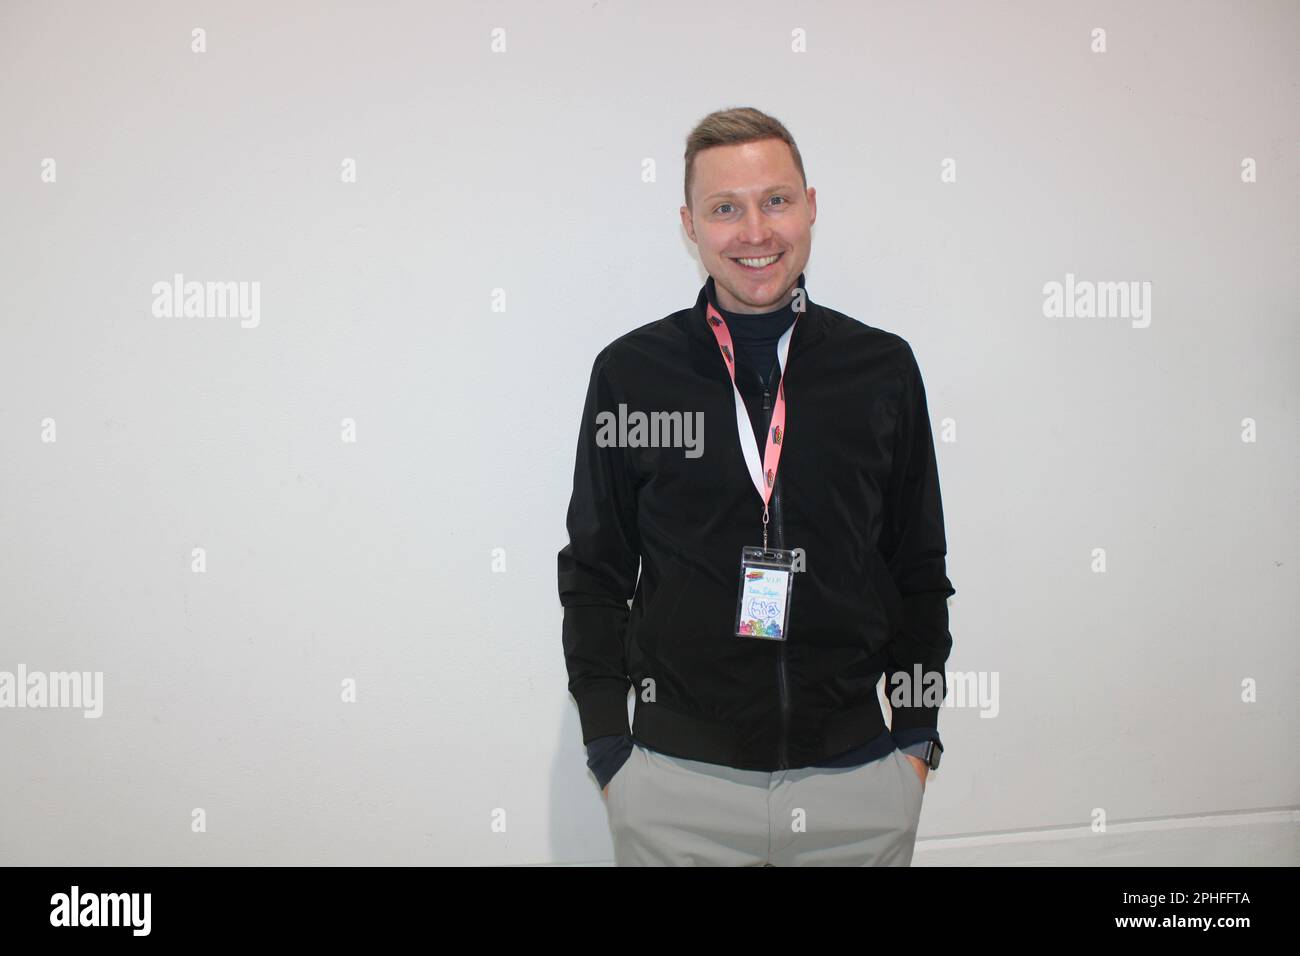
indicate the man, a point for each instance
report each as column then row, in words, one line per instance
column 786, row 563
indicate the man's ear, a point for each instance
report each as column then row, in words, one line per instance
column 687, row 224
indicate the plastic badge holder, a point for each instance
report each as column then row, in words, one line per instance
column 766, row 584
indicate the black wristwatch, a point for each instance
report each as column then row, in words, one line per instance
column 932, row 751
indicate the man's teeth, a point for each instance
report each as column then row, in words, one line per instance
column 759, row 263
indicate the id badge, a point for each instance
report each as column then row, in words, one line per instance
column 766, row 583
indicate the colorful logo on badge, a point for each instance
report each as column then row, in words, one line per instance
column 762, row 620
column 753, row 575
column 759, row 629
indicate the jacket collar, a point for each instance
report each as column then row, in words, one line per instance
column 809, row 329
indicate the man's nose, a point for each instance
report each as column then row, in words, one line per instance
column 754, row 230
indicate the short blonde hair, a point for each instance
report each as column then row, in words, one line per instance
column 731, row 127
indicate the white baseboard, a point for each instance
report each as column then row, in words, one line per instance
column 1251, row 838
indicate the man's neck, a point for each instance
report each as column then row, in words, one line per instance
column 782, row 302
column 783, row 306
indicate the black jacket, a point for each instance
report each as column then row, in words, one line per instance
column 857, row 490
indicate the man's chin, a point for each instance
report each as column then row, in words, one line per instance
column 759, row 296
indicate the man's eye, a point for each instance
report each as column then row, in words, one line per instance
column 722, row 207
column 782, row 198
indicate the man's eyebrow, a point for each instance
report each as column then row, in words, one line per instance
column 731, row 192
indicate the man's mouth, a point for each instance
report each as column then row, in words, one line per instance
column 759, row 264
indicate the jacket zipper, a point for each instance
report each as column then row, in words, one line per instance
column 783, row 758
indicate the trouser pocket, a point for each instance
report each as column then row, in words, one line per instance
column 912, row 782
column 614, row 798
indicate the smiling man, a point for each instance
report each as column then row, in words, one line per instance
column 782, row 571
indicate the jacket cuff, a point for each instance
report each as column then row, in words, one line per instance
column 602, row 710
column 923, row 644
column 917, row 723
column 910, row 723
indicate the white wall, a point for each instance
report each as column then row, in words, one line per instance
column 522, row 171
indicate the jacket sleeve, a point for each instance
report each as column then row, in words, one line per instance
column 598, row 569
column 914, row 548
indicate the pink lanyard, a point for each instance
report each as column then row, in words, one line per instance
column 763, row 475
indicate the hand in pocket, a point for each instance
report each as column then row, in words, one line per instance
column 920, row 768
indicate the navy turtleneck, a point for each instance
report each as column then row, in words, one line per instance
column 755, row 334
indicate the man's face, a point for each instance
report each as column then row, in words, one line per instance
column 747, row 203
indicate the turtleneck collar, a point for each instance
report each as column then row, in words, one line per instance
column 751, row 326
